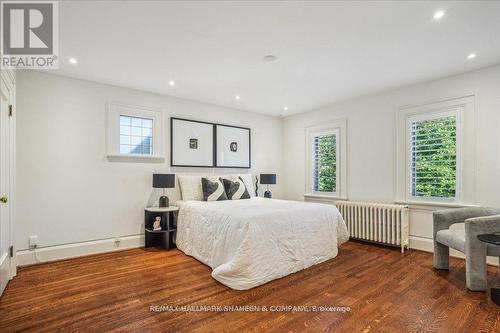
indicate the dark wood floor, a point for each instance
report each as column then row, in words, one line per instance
column 386, row 291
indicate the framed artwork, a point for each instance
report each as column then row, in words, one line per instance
column 191, row 143
column 232, row 146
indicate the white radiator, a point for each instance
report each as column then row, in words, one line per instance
column 375, row 222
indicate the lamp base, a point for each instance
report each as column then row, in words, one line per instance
column 163, row 202
column 267, row 194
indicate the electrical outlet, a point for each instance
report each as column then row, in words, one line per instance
column 33, row 241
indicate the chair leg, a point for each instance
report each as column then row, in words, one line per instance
column 475, row 272
column 441, row 256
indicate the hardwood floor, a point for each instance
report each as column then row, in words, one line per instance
column 385, row 290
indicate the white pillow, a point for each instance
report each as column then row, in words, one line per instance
column 191, row 187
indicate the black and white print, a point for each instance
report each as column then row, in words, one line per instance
column 193, row 143
column 213, row 189
column 232, row 146
column 236, row 189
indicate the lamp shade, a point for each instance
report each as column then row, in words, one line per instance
column 268, row 178
column 163, row 180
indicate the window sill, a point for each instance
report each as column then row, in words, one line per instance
column 135, row 158
column 432, row 205
column 323, row 197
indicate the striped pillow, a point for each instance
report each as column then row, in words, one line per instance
column 236, row 189
column 213, row 190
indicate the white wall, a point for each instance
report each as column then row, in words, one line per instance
column 69, row 192
column 66, row 188
column 371, row 142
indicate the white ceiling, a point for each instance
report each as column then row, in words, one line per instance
column 327, row 51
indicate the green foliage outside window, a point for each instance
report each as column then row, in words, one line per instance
column 434, row 158
column 325, row 167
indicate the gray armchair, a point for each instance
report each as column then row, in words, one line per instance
column 474, row 221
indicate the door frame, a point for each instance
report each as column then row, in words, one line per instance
column 8, row 78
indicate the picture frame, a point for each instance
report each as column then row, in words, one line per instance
column 232, row 147
column 195, row 143
column 191, row 143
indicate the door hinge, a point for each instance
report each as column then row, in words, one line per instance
column 11, row 251
column 10, row 110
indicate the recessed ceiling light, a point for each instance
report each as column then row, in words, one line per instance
column 439, row 14
column 171, row 83
column 471, row 56
column 270, row 58
column 73, row 61
column 237, row 97
column 285, row 108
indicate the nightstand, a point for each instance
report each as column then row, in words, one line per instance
column 165, row 237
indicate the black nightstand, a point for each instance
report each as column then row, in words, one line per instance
column 493, row 239
column 165, row 237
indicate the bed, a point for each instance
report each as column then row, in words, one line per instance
column 253, row 241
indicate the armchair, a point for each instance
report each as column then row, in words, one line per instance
column 474, row 221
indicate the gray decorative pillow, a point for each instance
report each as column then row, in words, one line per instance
column 213, row 190
column 236, row 189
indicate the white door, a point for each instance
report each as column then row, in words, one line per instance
column 5, row 185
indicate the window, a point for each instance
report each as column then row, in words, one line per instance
column 134, row 133
column 325, row 158
column 325, row 163
column 436, row 153
column 434, row 160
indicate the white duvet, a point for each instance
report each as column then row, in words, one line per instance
column 253, row 241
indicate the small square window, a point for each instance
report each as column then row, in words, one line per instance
column 136, row 135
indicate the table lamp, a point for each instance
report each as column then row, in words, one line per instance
column 163, row 181
column 268, row 179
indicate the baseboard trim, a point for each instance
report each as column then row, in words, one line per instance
column 421, row 243
column 58, row 252
column 427, row 245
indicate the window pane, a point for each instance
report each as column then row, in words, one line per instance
column 147, row 132
column 324, row 163
column 134, row 137
column 124, row 140
column 136, row 140
column 147, row 141
column 136, row 149
column 434, row 158
column 136, row 122
column 124, row 120
column 124, row 130
column 124, row 149
column 137, row 131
